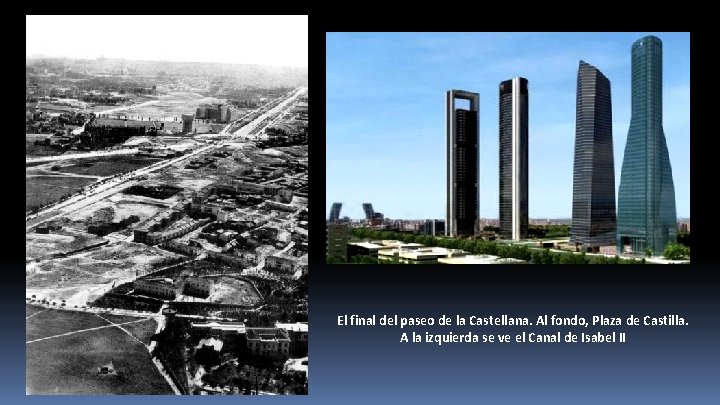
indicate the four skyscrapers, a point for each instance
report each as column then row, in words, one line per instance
column 646, row 217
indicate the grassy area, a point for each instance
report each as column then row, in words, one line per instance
column 55, row 322
column 69, row 365
column 43, row 190
column 32, row 150
column 32, row 309
column 120, row 318
column 108, row 165
column 143, row 331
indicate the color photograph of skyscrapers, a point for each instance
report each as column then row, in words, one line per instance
column 501, row 148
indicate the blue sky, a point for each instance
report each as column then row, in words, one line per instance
column 386, row 126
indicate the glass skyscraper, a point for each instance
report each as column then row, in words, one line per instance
column 463, row 208
column 514, row 158
column 593, row 210
column 335, row 212
column 646, row 200
column 369, row 211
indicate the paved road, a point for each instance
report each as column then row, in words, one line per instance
column 82, row 155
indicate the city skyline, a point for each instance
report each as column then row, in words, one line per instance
column 391, row 103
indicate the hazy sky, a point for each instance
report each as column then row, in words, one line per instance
column 263, row 40
column 386, row 106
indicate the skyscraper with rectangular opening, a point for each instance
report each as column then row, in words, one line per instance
column 646, row 199
column 462, row 207
column 593, row 210
column 514, row 158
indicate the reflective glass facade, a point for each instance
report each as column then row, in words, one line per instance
column 593, row 211
column 514, row 158
column 646, row 199
column 335, row 212
column 462, row 158
column 369, row 212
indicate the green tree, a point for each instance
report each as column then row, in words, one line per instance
column 335, row 260
column 676, row 251
column 423, row 239
column 467, row 245
column 599, row 260
column 523, row 253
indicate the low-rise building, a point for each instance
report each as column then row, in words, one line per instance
column 478, row 259
column 157, row 287
column 298, row 333
column 218, row 329
column 419, row 255
column 270, row 343
column 198, row 286
column 278, row 263
column 358, row 249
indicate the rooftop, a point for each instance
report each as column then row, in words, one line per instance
column 477, row 259
column 112, row 122
column 238, row 327
column 295, row 327
column 167, row 281
column 366, row 245
column 267, row 333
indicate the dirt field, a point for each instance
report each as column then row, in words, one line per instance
column 70, row 364
column 173, row 105
column 80, row 278
column 230, row 290
column 38, row 245
column 123, row 205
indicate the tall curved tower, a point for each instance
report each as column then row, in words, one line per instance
column 646, row 199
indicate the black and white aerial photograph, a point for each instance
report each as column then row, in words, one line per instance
column 166, row 205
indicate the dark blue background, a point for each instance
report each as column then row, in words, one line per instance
column 356, row 365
